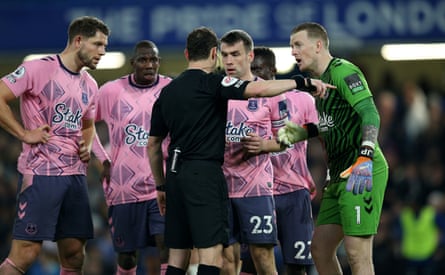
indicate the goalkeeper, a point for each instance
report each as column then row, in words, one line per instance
column 349, row 122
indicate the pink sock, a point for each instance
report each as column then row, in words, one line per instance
column 164, row 268
column 9, row 266
column 69, row 271
column 121, row 271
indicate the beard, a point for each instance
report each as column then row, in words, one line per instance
column 86, row 60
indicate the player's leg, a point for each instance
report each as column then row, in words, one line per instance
column 21, row 256
column 328, row 233
column 359, row 253
column 36, row 219
column 362, row 213
column 295, row 230
column 259, row 230
column 156, row 224
column 231, row 264
column 71, row 255
column 325, row 242
column 75, row 224
column 231, row 254
column 194, row 262
column 263, row 257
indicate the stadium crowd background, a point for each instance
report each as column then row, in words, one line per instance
column 410, row 98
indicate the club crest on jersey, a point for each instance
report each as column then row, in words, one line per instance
column 18, row 73
column 252, row 105
column 354, row 83
column 228, row 81
column 84, row 98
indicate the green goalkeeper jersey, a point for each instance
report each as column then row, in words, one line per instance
column 340, row 125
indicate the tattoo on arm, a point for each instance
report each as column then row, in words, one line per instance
column 370, row 133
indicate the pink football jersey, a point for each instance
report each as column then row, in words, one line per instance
column 126, row 108
column 51, row 94
column 251, row 175
column 291, row 172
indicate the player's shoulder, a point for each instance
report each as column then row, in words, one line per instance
column 342, row 67
column 115, row 84
column 45, row 64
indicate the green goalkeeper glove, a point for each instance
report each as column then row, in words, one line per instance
column 292, row 133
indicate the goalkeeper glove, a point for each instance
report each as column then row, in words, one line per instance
column 292, row 133
column 360, row 173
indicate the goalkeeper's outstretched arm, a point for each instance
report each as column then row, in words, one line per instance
column 292, row 133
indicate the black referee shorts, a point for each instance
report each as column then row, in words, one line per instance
column 197, row 206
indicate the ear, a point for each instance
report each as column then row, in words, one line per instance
column 319, row 46
column 214, row 53
column 251, row 56
column 77, row 41
column 186, row 54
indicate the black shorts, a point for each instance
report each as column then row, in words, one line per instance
column 197, row 206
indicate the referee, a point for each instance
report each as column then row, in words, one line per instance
column 192, row 110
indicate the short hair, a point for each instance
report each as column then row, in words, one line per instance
column 314, row 30
column 200, row 42
column 234, row 36
column 266, row 53
column 86, row 26
column 145, row 44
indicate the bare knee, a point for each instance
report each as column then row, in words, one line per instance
column 127, row 260
column 71, row 253
column 263, row 258
column 24, row 253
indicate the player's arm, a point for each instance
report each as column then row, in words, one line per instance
column 156, row 158
column 12, row 126
column 292, row 133
column 269, row 88
column 255, row 144
column 359, row 174
column 86, row 143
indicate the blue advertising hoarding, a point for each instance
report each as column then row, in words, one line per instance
column 41, row 25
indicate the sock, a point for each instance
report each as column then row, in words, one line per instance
column 171, row 270
column 69, row 271
column 121, row 271
column 193, row 269
column 164, row 268
column 208, row 270
column 8, row 265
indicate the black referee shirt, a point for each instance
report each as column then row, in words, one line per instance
column 192, row 108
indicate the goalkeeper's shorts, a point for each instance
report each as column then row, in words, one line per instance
column 359, row 215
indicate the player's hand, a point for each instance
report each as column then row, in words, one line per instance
column 84, row 152
column 38, row 135
column 106, row 172
column 320, row 88
column 360, row 176
column 253, row 143
column 291, row 133
column 315, row 86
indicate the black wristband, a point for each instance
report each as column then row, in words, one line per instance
column 304, row 83
column 160, row 187
column 366, row 151
column 312, row 130
column 299, row 80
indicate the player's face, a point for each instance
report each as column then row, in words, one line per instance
column 146, row 66
column 236, row 60
column 304, row 51
column 262, row 68
column 92, row 49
